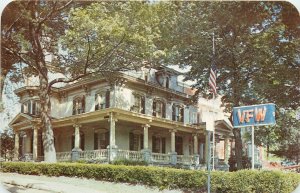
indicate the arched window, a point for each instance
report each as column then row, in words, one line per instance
column 159, row 108
column 177, row 113
column 139, row 103
column 78, row 105
column 102, row 100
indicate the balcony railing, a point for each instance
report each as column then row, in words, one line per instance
column 131, row 155
column 63, row 156
column 182, row 159
column 161, row 158
column 101, row 154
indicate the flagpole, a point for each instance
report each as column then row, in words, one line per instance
column 214, row 97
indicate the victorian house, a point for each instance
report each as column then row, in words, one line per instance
column 144, row 114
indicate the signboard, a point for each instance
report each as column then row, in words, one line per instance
column 255, row 115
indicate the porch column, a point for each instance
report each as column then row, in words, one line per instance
column 173, row 150
column 77, row 136
column 35, row 141
column 76, row 150
column 226, row 148
column 17, row 145
column 146, row 129
column 112, row 148
column 196, row 154
column 173, row 140
column 195, row 143
column 146, row 151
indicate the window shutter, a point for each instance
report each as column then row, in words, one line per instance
column 74, row 107
column 154, row 108
column 73, row 141
column 163, row 145
column 34, row 107
column 181, row 114
column 96, row 103
column 29, row 107
column 173, row 113
column 82, row 141
column 107, row 99
column 96, row 141
column 131, row 141
column 142, row 141
column 83, row 104
column 143, row 104
column 154, row 144
column 164, row 110
column 22, row 108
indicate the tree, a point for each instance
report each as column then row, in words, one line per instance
column 86, row 41
column 7, row 144
column 287, row 130
column 246, row 34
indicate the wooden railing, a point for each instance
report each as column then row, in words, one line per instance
column 182, row 159
column 63, row 156
column 160, row 158
column 93, row 154
column 131, row 155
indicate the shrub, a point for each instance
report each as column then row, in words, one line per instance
column 244, row 181
column 128, row 162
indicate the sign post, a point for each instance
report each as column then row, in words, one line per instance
column 255, row 115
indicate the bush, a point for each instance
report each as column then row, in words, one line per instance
column 244, row 181
column 128, row 162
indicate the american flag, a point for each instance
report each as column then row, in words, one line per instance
column 213, row 79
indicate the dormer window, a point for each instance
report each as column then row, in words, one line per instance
column 31, row 107
column 102, row 100
column 177, row 112
column 159, row 108
column 139, row 104
column 78, row 105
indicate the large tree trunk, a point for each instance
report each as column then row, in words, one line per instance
column 238, row 148
column 48, row 136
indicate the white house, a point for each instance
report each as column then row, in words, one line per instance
column 141, row 115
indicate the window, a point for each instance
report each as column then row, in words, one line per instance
column 136, row 141
column 159, row 108
column 158, row 144
column 139, row 104
column 177, row 113
column 101, row 140
column 78, row 105
column 102, row 100
column 31, row 107
column 179, row 145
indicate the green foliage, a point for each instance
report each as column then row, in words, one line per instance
column 7, row 144
column 244, row 181
column 129, row 162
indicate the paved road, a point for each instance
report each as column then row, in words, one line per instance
column 42, row 184
column 20, row 189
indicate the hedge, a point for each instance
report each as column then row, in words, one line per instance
column 244, row 181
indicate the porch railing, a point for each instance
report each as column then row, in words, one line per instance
column 63, row 156
column 101, row 154
column 183, row 159
column 131, row 155
column 161, row 158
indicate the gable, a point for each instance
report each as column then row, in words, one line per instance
column 19, row 118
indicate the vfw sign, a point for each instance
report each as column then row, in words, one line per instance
column 255, row 115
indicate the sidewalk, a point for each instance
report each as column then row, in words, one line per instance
column 74, row 185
